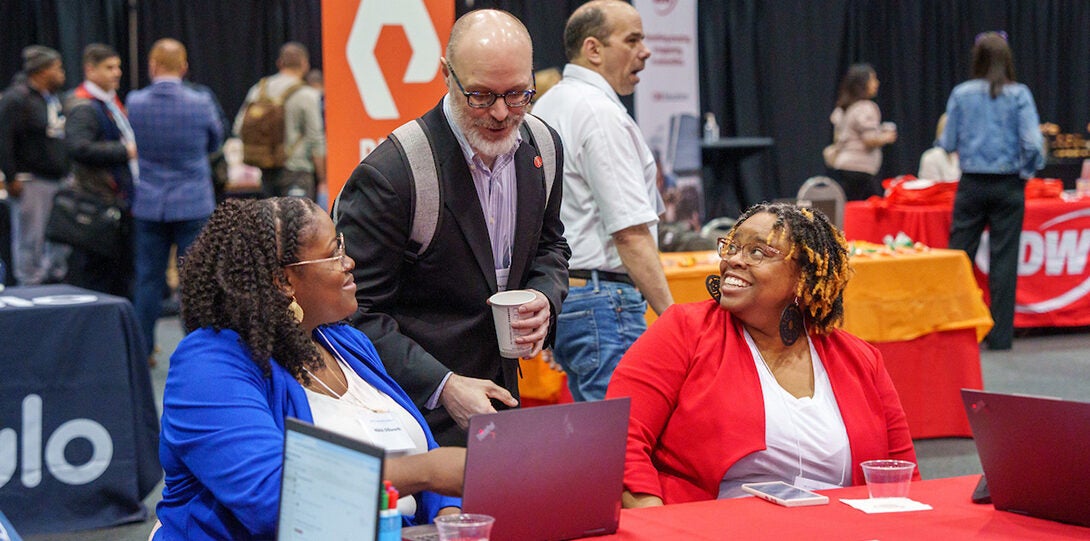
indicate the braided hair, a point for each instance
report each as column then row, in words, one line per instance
column 821, row 253
column 233, row 273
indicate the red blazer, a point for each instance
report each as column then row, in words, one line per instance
column 697, row 405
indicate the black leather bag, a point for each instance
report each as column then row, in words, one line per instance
column 86, row 222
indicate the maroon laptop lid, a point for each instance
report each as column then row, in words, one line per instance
column 550, row 472
column 1035, row 452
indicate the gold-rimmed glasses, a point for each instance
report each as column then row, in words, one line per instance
column 338, row 255
column 753, row 253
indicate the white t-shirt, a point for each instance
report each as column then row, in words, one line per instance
column 609, row 171
column 804, row 437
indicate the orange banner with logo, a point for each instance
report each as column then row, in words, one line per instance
column 381, row 60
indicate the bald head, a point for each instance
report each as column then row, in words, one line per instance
column 489, row 32
column 168, row 57
column 606, row 36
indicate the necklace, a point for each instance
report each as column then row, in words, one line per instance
column 323, row 384
column 349, row 395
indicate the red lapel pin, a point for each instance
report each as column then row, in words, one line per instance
column 537, row 162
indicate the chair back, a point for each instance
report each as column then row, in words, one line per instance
column 826, row 195
column 717, row 227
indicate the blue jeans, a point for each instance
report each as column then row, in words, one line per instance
column 153, row 241
column 596, row 325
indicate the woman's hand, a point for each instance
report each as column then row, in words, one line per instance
column 630, row 500
column 449, row 511
column 440, row 470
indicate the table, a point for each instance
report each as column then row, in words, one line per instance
column 1053, row 272
column 76, row 404
column 726, row 191
column 954, row 517
column 923, row 311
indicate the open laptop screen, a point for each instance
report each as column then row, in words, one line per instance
column 330, row 486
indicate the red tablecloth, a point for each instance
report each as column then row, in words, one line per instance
column 954, row 517
column 1053, row 272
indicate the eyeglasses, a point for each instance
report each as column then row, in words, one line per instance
column 479, row 99
column 753, row 253
column 338, row 255
column 982, row 35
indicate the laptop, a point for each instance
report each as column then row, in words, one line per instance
column 1034, row 453
column 546, row 473
column 329, row 487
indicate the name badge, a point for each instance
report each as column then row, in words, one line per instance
column 386, row 431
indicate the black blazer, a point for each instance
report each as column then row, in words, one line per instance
column 430, row 317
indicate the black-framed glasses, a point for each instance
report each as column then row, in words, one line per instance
column 338, row 255
column 480, row 99
column 980, row 36
column 753, row 253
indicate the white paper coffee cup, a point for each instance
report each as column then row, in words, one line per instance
column 505, row 310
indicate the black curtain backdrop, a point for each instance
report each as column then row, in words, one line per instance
column 767, row 67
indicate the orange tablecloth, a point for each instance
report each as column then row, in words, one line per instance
column 1053, row 270
column 953, row 516
column 889, row 298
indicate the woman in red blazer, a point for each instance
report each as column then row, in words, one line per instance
column 758, row 384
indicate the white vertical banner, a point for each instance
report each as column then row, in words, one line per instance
column 668, row 84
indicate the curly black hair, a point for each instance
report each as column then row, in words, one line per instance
column 821, row 252
column 232, row 277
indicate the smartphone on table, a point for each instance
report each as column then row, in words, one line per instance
column 784, row 494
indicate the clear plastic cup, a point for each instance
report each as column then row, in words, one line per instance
column 888, row 478
column 464, row 527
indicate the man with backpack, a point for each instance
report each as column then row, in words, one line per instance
column 494, row 213
column 281, row 128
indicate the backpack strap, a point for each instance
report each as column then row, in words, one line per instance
column 543, row 140
column 412, row 141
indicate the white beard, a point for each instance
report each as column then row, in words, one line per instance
column 471, row 130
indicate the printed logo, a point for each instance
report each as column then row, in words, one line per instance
column 412, row 16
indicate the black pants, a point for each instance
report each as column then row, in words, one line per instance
column 998, row 202
column 858, row 185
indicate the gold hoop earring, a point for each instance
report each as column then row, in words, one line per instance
column 296, row 311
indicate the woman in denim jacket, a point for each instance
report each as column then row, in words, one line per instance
column 993, row 126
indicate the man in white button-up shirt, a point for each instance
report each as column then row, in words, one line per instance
column 611, row 203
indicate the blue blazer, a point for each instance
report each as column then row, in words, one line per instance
column 223, row 435
column 176, row 128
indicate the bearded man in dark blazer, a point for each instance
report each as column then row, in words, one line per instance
column 497, row 229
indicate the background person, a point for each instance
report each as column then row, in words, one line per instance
column 994, row 127
column 858, row 132
column 176, row 128
column 33, row 160
column 429, row 316
column 938, row 164
column 611, row 200
column 304, row 129
column 759, row 385
column 102, row 148
column 264, row 289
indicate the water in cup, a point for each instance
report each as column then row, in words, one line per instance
column 464, row 527
column 888, row 478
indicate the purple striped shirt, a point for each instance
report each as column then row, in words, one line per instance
column 497, row 193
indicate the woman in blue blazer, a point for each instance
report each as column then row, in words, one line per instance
column 264, row 288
